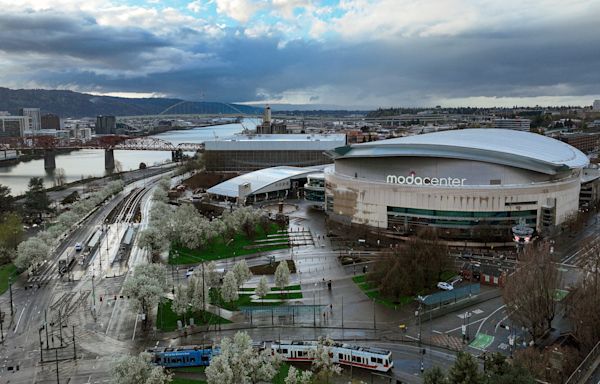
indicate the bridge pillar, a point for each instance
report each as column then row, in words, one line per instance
column 109, row 159
column 176, row 155
column 49, row 160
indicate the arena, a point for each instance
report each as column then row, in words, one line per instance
column 468, row 184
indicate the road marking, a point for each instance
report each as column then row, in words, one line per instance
column 477, row 311
column 19, row 321
column 457, row 328
column 498, row 323
column 485, row 318
column 438, row 332
column 482, row 341
column 411, row 337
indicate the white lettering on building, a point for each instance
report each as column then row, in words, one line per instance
column 418, row 180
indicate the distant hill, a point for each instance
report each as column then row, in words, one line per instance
column 75, row 104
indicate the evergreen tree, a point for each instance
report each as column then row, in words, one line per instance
column 465, row 370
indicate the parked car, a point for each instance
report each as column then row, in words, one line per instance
column 78, row 247
column 445, row 286
column 189, row 272
column 455, row 280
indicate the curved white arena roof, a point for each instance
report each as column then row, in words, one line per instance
column 501, row 146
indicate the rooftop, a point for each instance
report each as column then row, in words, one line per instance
column 278, row 142
column 500, row 146
column 263, row 180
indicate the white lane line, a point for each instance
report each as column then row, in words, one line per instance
column 457, row 328
column 485, row 319
column 498, row 323
column 438, row 332
column 19, row 321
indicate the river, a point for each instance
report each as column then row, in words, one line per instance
column 90, row 162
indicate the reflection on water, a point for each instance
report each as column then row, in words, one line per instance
column 90, row 162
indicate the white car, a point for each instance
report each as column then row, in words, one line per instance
column 445, row 286
column 189, row 272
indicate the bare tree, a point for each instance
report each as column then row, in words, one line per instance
column 584, row 301
column 530, row 291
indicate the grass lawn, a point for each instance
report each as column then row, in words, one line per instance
column 6, row 271
column 373, row 293
column 220, row 249
column 179, row 380
column 282, row 374
column 288, row 288
column 246, row 301
column 166, row 319
column 188, row 369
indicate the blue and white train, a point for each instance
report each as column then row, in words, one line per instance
column 185, row 356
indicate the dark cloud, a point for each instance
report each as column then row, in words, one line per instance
column 546, row 60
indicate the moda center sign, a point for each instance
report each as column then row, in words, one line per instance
column 413, row 179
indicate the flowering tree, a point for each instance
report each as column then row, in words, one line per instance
column 282, row 275
column 296, row 376
column 146, row 287
column 239, row 363
column 30, row 252
column 139, row 369
column 229, row 290
column 322, row 357
column 242, row 272
column 197, row 293
column 262, row 289
column 181, row 300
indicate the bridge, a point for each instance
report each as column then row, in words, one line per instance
column 109, row 143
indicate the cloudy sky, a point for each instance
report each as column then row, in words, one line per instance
column 350, row 53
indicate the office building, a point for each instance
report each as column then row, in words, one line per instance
column 14, row 126
column 106, row 125
column 516, row 124
column 596, row 106
column 50, row 121
column 35, row 122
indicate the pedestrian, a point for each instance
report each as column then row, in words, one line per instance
column 331, row 308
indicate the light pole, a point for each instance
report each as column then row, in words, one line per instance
column 11, row 296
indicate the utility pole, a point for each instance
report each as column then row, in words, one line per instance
column 74, row 348
column 93, row 297
column 60, row 327
column 56, row 358
column 1, row 323
column 374, row 320
column 46, row 328
column 342, row 312
column 11, row 296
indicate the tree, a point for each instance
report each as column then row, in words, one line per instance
column 229, row 290
column 59, row 177
column 465, row 370
column 282, row 275
column 146, row 287
column 242, row 272
column 154, row 240
column 36, row 198
column 181, row 302
column 139, row 369
column 6, row 200
column 296, row 376
column 31, row 252
column 262, row 289
column 322, row 357
column 11, row 230
column 499, row 371
column 198, row 293
column 410, row 269
column 239, row 363
column 435, row 376
column 529, row 293
column 213, row 277
column 586, row 295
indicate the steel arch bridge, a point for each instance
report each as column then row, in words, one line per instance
column 154, row 144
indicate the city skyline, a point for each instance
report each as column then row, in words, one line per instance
column 351, row 54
